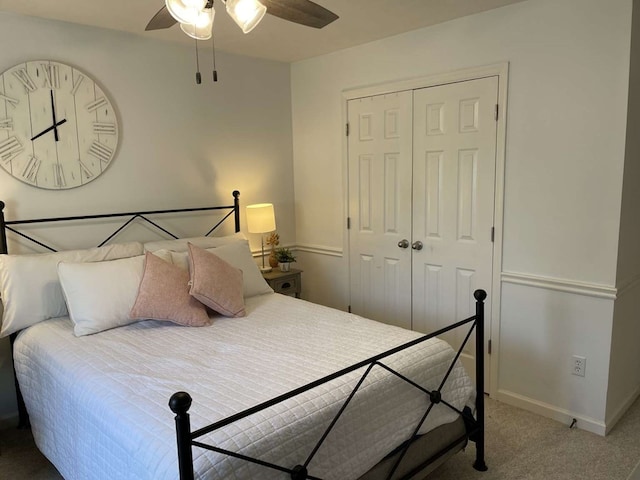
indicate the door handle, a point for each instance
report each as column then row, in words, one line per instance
column 417, row 245
column 404, row 243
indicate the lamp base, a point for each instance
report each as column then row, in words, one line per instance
column 265, row 269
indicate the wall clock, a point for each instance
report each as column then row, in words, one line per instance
column 58, row 129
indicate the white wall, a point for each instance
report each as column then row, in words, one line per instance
column 182, row 145
column 568, row 82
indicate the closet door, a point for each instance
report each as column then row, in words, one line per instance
column 454, row 159
column 379, row 156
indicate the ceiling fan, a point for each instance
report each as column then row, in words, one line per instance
column 196, row 16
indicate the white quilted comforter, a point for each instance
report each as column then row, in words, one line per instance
column 99, row 404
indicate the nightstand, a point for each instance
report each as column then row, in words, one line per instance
column 286, row 283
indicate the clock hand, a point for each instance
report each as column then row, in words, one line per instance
column 52, row 127
column 53, row 113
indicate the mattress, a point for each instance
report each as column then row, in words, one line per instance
column 99, row 404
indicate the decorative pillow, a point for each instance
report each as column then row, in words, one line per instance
column 100, row 295
column 181, row 244
column 30, row 288
column 164, row 295
column 215, row 283
column 237, row 255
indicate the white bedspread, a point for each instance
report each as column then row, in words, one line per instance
column 99, row 404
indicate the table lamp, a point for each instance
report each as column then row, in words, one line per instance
column 261, row 219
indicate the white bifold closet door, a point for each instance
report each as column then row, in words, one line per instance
column 421, row 205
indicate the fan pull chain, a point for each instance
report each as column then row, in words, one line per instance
column 198, row 76
column 215, row 72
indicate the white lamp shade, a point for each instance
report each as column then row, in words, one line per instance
column 185, row 11
column 202, row 27
column 261, row 218
column 246, row 13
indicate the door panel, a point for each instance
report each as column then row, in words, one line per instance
column 454, row 153
column 380, row 206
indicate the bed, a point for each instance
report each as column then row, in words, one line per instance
column 288, row 389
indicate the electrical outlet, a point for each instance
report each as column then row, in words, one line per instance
column 579, row 365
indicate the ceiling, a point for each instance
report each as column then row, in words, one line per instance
column 360, row 21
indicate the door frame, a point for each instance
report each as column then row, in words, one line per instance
column 500, row 70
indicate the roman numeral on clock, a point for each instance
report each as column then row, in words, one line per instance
column 76, row 85
column 9, row 149
column 58, row 176
column 25, row 79
column 51, row 75
column 6, row 123
column 87, row 173
column 93, row 106
column 11, row 101
column 100, row 151
column 104, row 128
column 30, row 172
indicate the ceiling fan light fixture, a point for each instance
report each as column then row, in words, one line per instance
column 186, row 11
column 246, row 13
column 203, row 26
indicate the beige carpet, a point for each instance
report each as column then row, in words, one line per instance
column 520, row 446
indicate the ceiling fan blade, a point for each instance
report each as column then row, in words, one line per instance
column 160, row 20
column 304, row 12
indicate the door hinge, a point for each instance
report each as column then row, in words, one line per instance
column 348, row 223
column 349, row 308
column 497, row 111
column 493, row 234
column 347, row 129
column 489, row 347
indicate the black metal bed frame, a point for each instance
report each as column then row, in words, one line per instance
column 180, row 403
column 23, row 416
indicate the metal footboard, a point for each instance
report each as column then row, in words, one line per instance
column 180, row 403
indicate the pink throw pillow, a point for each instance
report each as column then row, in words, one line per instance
column 164, row 295
column 216, row 283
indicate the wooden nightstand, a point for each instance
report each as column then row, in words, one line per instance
column 286, row 283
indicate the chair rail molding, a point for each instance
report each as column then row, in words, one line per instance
column 562, row 285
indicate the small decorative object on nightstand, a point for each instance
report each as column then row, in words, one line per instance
column 285, row 258
column 286, row 283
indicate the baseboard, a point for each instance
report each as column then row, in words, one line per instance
column 553, row 412
column 610, row 423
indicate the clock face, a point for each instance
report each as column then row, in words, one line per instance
column 58, row 129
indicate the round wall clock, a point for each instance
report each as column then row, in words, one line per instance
column 58, row 129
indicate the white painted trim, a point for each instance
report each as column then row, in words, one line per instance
column 610, row 423
column 320, row 250
column 561, row 285
column 308, row 248
column 501, row 70
column 551, row 411
column 462, row 75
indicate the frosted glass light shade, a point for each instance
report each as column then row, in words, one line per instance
column 246, row 13
column 202, row 27
column 185, row 11
column 261, row 218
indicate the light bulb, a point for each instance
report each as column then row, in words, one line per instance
column 246, row 13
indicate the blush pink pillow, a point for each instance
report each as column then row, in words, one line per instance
column 216, row 283
column 164, row 295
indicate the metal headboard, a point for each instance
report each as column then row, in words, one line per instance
column 132, row 216
column 129, row 218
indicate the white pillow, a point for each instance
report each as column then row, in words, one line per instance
column 238, row 255
column 181, row 244
column 30, row 288
column 100, row 295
